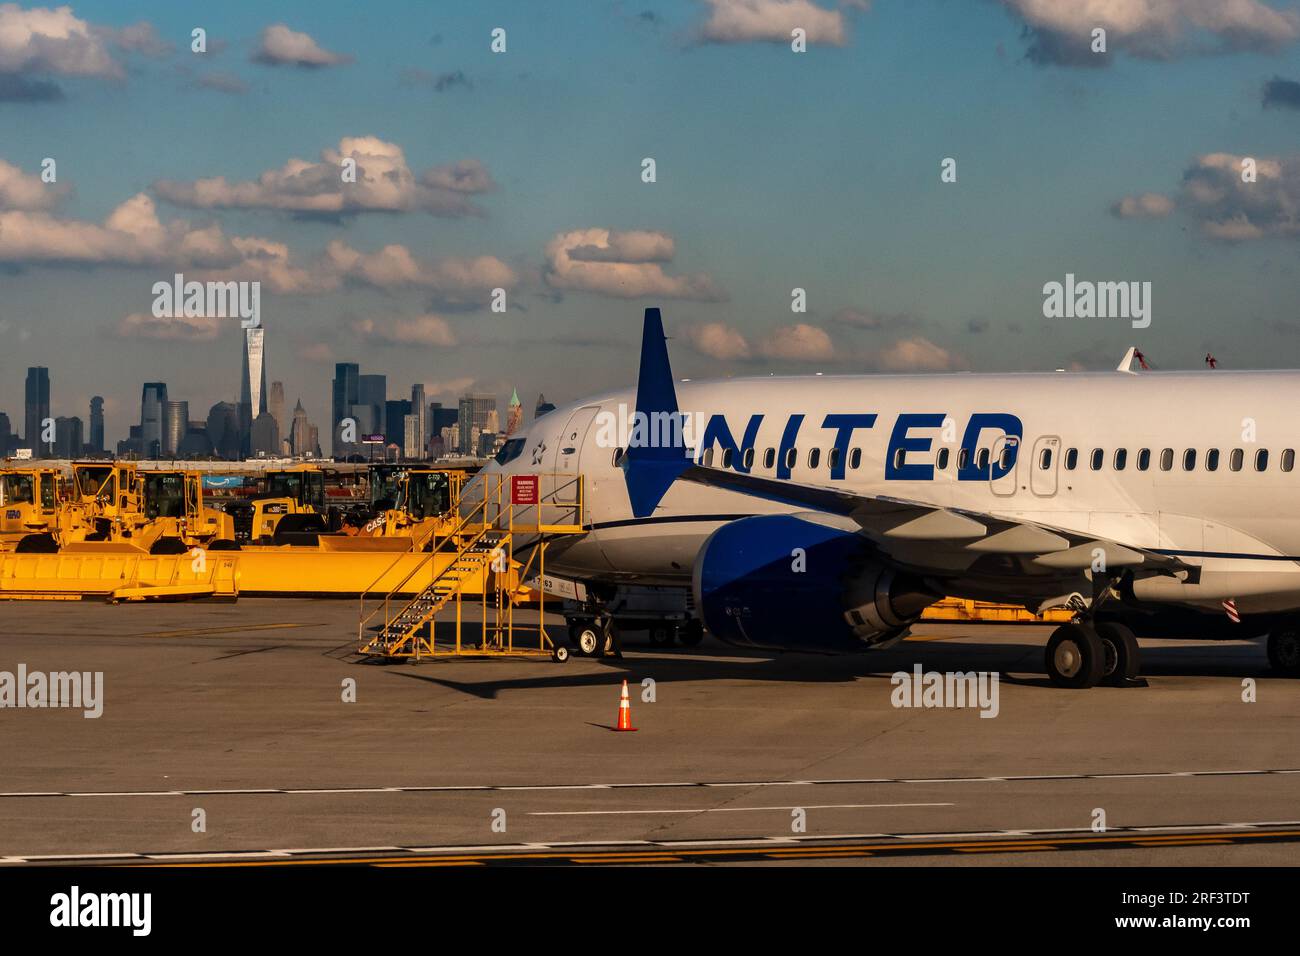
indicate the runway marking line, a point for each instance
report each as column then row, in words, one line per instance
column 501, row 788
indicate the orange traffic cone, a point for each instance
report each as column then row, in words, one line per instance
column 624, row 711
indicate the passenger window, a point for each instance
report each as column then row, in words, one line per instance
column 1004, row 458
column 982, row 460
column 747, row 459
column 791, row 456
column 708, row 457
column 1261, row 460
column 1288, row 459
column 1045, row 459
column 1189, row 460
column 1212, row 460
column 1144, row 459
column 726, row 458
column 855, row 458
column 900, row 457
column 769, row 458
column 1121, row 458
column 814, row 457
column 833, row 458
column 963, row 458
column 1167, row 459
column 1097, row 456
column 942, row 462
column 1071, row 459
column 1235, row 459
column 618, row 457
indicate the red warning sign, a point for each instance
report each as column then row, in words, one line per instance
column 524, row 489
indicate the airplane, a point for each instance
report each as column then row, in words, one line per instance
column 824, row 514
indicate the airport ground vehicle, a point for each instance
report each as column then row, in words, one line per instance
column 29, row 507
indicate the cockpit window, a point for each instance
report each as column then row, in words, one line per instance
column 511, row 450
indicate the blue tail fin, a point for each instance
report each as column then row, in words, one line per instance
column 652, row 464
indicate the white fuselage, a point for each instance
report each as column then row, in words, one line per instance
column 1238, row 522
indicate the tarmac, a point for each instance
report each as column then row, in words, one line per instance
column 225, row 738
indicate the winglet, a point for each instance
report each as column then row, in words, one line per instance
column 651, row 464
column 1126, row 363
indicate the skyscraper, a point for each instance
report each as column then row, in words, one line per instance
column 372, row 394
column 67, row 438
column 176, row 419
column 543, row 406
column 152, row 399
column 343, row 396
column 514, row 413
column 96, row 445
column 275, row 405
column 36, row 407
column 252, row 384
column 420, row 409
column 475, row 413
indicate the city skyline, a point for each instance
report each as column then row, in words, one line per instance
column 774, row 172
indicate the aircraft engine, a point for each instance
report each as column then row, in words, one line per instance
column 794, row 583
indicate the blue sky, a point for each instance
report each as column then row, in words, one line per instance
column 776, row 170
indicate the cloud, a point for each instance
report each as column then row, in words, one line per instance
column 1227, row 208
column 16, row 89
column 384, row 183
column 1060, row 31
column 717, row 340
column 917, row 354
column 797, row 343
column 871, row 319
column 144, row 325
column 453, row 279
column 1145, row 206
column 428, row 330
column 439, row 82
column 19, row 190
column 624, row 265
column 317, row 352
column 771, row 21
column 45, row 41
column 1281, row 94
column 139, row 38
column 1224, row 206
column 131, row 235
column 222, row 83
column 281, row 46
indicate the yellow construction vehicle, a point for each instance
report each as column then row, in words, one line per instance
column 116, row 507
column 29, row 509
column 416, row 503
column 291, row 508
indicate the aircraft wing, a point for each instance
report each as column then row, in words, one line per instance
column 934, row 539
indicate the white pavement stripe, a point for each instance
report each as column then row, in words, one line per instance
column 827, row 806
column 865, row 781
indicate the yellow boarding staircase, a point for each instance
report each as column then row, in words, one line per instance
column 478, row 559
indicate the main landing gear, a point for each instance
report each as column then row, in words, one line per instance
column 1083, row 654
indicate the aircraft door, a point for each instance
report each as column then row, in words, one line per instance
column 1043, row 466
column 1003, row 462
column 569, row 448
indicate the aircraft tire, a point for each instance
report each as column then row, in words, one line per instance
column 691, row 633
column 1123, row 659
column 560, row 654
column 1075, row 656
column 1284, row 651
column 587, row 639
column 661, row 635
